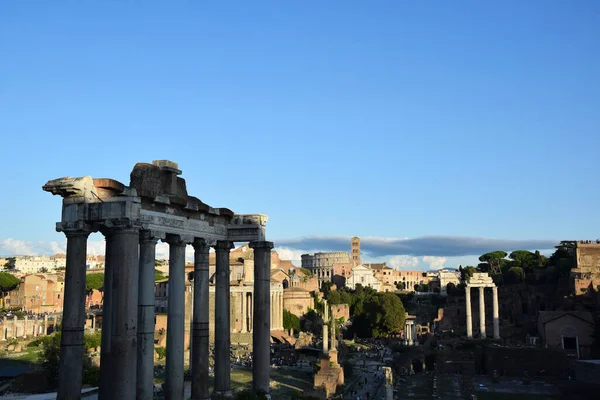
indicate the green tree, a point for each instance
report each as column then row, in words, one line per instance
column 494, row 260
column 383, row 315
column 94, row 282
column 514, row 275
column 312, row 322
column 10, row 263
column 467, row 272
column 290, row 321
column 7, row 283
column 334, row 297
column 43, row 270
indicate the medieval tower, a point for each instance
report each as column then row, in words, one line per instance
column 355, row 250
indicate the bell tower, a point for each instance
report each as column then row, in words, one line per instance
column 355, row 250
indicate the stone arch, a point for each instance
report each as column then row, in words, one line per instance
column 285, row 284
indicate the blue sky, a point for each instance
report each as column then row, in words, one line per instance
column 385, row 119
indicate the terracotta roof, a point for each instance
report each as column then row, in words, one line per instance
column 547, row 316
column 377, row 266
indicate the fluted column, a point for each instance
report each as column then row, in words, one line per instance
column 222, row 320
column 145, row 350
column 175, row 318
column 495, row 312
column 200, row 345
column 70, row 373
column 482, row 312
column 468, row 312
column 261, row 335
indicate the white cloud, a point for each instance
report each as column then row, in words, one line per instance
column 13, row 247
column 290, row 254
column 435, row 262
column 403, row 262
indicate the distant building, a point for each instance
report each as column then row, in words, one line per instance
column 321, row 264
column 38, row 293
column 586, row 275
column 571, row 331
column 363, row 275
column 446, row 277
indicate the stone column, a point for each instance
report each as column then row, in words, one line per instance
column 261, row 335
column 175, row 318
column 495, row 313
column 106, row 368
column 271, row 311
column 222, row 320
column 468, row 312
column 145, row 350
column 482, row 312
column 281, row 310
column 244, row 313
column 5, row 328
column 325, row 327
column 70, row 373
column 125, row 255
column 200, row 346
column 45, row 323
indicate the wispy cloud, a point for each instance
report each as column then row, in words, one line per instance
column 439, row 246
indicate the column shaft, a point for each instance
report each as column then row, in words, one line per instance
column 125, row 313
column 482, row 312
column 200, row 345
column 106, row 368
column 175, row 318
column 496, row 316
column 468, row 311
column 261, row 335
column 70, row 371
column 222, row 320
column 145, row 350
column 244, row 311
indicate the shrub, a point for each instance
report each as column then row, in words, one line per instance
column 161, row 351
column 92, row 340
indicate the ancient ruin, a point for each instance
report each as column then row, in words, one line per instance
column 155, row 206
column 482, row 281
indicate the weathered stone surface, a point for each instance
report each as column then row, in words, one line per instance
column 69, row 187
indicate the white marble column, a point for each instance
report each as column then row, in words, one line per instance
column 200, row 340
column 175, row 318
column 222, row 320
column 261, row 336
column 495, row 313
column 73, row 321
column 145, row 350
column 468, row 312
column 482, row 312
column 281, row 310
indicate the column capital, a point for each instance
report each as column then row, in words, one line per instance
column 201, row 244
column 178, row 240
column 114, row 225
column 261, row 244
column 74, row 229
column 150, row 237
column 223, row 245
